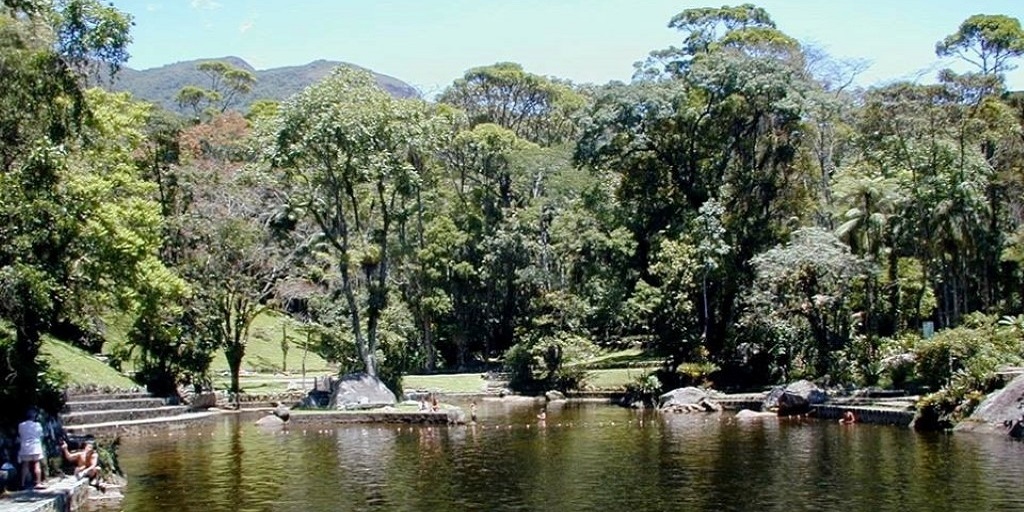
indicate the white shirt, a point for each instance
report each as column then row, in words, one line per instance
column 31, row 434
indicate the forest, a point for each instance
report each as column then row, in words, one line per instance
column 740, row 210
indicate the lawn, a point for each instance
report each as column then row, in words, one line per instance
column 446, row 383
column 614, row 379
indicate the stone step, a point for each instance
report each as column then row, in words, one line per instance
column 89, row 397
column 121, row 415
column 148, row 426
column 110, row 405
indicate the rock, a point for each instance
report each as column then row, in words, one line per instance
column 803, row 394
column 1000, row 412
column 270, row 421
column 360, row 391
column 554, row 395
column 688, row 399
column 282, row 411
column 792, row 404
column 204, row 400
column 747, row 414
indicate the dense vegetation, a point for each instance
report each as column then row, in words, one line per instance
column 739, row 210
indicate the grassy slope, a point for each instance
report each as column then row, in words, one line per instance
column 81, row 368
column 263, row 352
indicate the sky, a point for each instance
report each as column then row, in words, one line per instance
column 430, row 43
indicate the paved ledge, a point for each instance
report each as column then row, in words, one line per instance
column 61, row 495
column 320, row 417
column 879, row 415
column 145, row 426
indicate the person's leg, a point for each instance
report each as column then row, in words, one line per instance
column 26, row 470
column 37, row 468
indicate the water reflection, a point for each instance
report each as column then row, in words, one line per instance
column 583, row 457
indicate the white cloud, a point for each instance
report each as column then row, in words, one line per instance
column 207, row 5
column 246, row 26
column 153, row 7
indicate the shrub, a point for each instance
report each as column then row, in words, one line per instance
column 644, row 389
column 549, row 362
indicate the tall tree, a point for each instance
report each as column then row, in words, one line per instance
column 345, row 147
column 987, row 41
column 43, row 48
column 226, row 85
column 535, row 108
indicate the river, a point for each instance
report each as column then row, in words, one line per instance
column 584, row 456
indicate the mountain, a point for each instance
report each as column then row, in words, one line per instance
column 160, row 85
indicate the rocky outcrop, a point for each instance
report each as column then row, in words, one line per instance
column 795, row 398
column 360, row 391
column 554, row 395
column 688, row 399
column 747, row 414
column 1000, row 413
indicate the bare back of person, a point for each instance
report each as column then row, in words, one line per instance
column 86, row 461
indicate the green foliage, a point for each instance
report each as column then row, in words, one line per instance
column 801, row 299
column 541, row 363
column 959, row 365
column 535, row 108
column 967, row 356
column 644, row 388
column 988, row 41
column 349, row 153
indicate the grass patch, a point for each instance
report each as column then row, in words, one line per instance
column 614, row 379
column 83, row 369
column 628, row 358
column 447, row 383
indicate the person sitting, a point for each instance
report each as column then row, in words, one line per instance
column 86, row 461
column 30, row 453
column 848, row 418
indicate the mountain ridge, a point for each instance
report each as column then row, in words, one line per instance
column 161, row 84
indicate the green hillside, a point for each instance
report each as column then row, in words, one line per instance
column 82, row 368
column 160, row 85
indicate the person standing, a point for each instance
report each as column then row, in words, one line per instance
column 30, row 453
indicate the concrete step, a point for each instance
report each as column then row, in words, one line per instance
column 121, row 415
column 110, row 405
column 88, row 397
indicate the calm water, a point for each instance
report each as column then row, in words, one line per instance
column 587, row 457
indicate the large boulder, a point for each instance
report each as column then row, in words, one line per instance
column 360, row 391
column 794, row 398
column 689, row 399
column 1000, row 413
column 792, row 404
column 270, row 422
